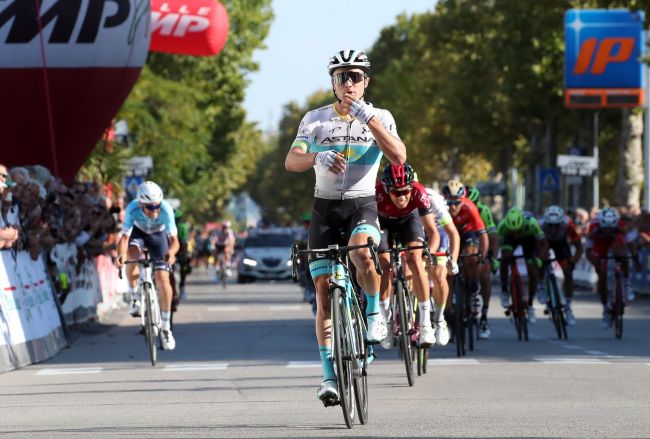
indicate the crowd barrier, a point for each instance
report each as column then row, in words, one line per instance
column 30, row 324
column 30, row 317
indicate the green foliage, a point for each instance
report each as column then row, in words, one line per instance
column 186, row 112
column 286, row 196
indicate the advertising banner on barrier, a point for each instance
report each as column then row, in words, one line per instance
column 27, row 308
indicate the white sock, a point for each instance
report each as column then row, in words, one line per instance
column 425, row 313
column 438, row 313
column 165, row 315
column 384, row 305
column 134, row 292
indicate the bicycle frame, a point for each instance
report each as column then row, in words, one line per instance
column 616, row 298
column 146, row 278
column 519, row 307
column 349, row 350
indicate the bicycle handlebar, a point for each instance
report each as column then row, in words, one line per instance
column 142, row 261
column 334, row 251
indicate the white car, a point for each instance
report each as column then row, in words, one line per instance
column 266, row 255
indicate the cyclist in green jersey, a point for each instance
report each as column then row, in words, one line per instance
column 491, row 264
column 521, row 228
column 182, row 256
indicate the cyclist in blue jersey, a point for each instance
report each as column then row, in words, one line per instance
column 150, row 224
column 344, row 142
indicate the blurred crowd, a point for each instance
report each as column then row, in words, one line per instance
column 38, row 211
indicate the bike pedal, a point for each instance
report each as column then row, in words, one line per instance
column 547, row 311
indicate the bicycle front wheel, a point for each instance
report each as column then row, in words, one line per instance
column 404, row 336
column 341, row 350
column 149, row 324
column 360, row 380
column 458, row 306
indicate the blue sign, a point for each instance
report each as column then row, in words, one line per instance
column 131, row 184
column 549, row 179
column 603, row 49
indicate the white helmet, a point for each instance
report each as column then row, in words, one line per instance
column 553, row 215
column 608, row 217
column 349, row 58
column 149, row 193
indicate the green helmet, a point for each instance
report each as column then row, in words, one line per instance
column 473, row 193
column 306, row 217
column 178, row 213
column 514, row 219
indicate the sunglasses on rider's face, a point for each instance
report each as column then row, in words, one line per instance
column 453, row 202
column 401, row 193
column 355, row 77
column 151, row 207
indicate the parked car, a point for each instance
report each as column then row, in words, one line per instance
column 266, row 255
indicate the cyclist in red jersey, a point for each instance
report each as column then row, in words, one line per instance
column 605, row 234
column 473, row 236
column 404, row 209
column 561, row 233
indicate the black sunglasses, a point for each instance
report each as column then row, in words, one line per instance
column 355, row 77
column 402, row 192
column 453, row 202
column 5, row 176
column 151, row 207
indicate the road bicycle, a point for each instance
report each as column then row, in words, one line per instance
column 350, row 350
column 465, row 324
column 616, row 297
column 404, row 311
column 556, row 302
column 150, row 308
column 220, row 265
column 518, row 309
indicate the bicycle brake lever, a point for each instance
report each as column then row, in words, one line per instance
column 373, row 252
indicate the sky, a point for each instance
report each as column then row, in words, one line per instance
column 302, row 38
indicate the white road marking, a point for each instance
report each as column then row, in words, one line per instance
column 287, row 307
column 194, row 366
column 597, row 353
column 569, row 360
column 571, row 346
column 452, row 361
column 303, row 364
column 223, row 308
column 70, row 371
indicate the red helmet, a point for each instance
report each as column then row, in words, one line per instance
column 397, row 175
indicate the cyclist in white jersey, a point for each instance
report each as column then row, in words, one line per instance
column 344, row 143
column 450, row 241
column 149, row 223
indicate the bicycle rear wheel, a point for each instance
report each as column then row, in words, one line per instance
column 360, row 381
column 469, row 322
column 341, row 352
column 617, row 311
column 458, row 306
column 404, row 337
column 149, row 324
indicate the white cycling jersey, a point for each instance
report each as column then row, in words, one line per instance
column 324, row 129
column 440, row 209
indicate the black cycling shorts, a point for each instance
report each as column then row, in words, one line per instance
column 561, row 248
column 335, row 221
column 157, row 244
column 528, row 244
column 408, row 229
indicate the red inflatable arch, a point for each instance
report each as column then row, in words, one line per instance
column 188, row 27
column 66, row 68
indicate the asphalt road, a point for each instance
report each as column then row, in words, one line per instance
column 246, row 366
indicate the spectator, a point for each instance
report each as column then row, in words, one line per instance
column 8, row 234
